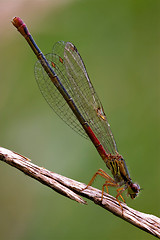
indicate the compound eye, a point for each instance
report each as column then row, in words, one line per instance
column 135, row 188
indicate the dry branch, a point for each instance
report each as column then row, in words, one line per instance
column 72, row 189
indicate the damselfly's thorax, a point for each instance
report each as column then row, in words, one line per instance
column 118, row 167
column 122, row 179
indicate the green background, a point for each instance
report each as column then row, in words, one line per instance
column 119, row 42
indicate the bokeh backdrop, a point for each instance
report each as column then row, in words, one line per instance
column 119, row 42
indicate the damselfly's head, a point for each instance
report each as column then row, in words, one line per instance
column 133, row 189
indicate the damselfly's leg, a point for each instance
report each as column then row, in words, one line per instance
column 110, row 182
column 103, row 174
column 120, row 191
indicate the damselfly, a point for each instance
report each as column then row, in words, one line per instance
column 65, row 84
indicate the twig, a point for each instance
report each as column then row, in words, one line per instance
column 72, row 189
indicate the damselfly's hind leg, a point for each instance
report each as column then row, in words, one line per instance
column 103, row 174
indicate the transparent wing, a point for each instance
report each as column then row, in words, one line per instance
column 70, row 69
column 53, row 97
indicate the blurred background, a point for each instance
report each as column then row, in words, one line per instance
column 119, row 42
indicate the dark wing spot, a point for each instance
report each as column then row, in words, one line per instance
column 53, row 64
column 60, row 59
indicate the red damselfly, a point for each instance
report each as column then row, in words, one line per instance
column 65, row 84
